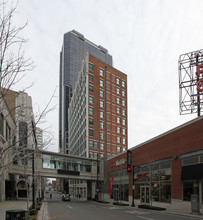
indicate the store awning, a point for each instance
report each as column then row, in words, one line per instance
column 193, row 172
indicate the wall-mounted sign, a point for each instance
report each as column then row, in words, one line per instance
column 120, row 162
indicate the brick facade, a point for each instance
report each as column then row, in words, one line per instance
column 184, row 139
column 109, row 88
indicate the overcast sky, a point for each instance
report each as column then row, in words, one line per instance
column 145, row 38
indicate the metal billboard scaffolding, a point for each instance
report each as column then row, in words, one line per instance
column 190, row 68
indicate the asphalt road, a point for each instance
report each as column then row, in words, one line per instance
column 55, row 208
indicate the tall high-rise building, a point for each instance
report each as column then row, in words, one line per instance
column 97, row 112
column 72, row 53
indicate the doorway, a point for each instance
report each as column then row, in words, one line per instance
column 116, row 194
column 144, row 192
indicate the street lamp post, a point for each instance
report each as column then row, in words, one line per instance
column 133, row 192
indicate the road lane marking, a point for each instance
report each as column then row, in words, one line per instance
column 69, row 207
column 146, row 218
column 138, row 212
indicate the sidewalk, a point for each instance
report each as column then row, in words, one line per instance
column 185, row 212
column 13, row 204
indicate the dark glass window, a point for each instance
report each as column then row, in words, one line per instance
column 91, row 121
column 8, row 132
column 91, row 78
column 91, row 67
column 22, row 134
column 91, row 88
column 187, row 189
column 91, row 132
column 1, row 124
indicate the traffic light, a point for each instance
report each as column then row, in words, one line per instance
column 129, row 161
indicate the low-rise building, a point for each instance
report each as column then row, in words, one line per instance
column 165, row 171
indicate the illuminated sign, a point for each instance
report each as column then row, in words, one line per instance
column 120, row 162
column 200, row 81
column 190, row 68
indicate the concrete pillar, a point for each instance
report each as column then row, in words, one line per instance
column 93, row 189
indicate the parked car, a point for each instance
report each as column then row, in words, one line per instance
column 65, row 197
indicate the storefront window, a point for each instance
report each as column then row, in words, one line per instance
column 155, row 177
column 187, row 190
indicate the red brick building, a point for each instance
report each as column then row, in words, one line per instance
column 110, row 106
column 168, row 169
column 98, row 111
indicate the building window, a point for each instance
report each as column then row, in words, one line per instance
column 124, row 141
column 101, row 114
column 101, row 124
column 91, row 111
column 95, row 155
column 118, row 100
column 118, row 110
column 118, row 91
column 8, row 132
column 123, row 93
column 91, row 88
column 124, row 121
column 118, row 140
column 91, row 78
column 90, row 143
column 101, row 103
column 102, row 135
column 91, row 154
column 101, row 155
column 95, row 144
column 117, row 81
column 124, row 149
column 123, row 112
column 91, row 121
column 101, row 83
column 123, row 102
column 123, row 83
column 91, row 133
column 118, row 129
column 124, row 131
column 101, row 72
column 118, row 149
column 91, row 99
column 1, row 124
column 91, row 66
column 101, row 92
column 101, row 145
column 118, row 120
column 22, row 134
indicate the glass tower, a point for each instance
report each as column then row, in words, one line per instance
column 72, row 53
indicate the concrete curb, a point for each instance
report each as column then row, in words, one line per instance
column 41, row 212
column 184, row 213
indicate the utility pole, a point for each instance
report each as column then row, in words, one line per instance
column 133, row 192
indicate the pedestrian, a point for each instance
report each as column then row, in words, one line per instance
column 50, row 196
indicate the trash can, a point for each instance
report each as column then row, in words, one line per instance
column 195, row 204
column 16, row 214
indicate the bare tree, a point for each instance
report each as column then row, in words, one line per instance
column 13, row 62
column 17, row 121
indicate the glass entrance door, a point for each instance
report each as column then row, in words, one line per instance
column 116, row 194
column 144, row 192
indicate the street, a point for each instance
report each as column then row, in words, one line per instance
column 55, row 208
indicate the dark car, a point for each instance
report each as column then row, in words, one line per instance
column 65, row 197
